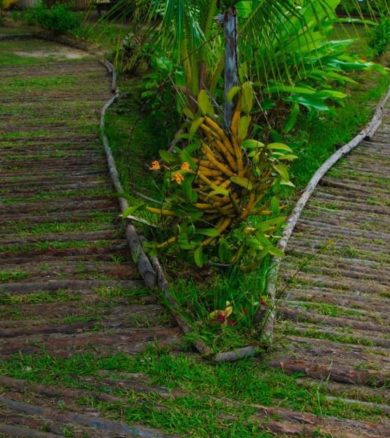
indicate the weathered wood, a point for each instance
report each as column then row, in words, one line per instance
column 234, row 355
column 23, row 432
column 139, row 256
column 100, row 424
column 367, row 133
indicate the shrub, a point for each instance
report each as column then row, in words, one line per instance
column 59, row 18
column 380, row 38
column 213, row 182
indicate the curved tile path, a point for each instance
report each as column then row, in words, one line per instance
column 334, row 311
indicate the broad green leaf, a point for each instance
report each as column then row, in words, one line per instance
column 243, row 127
column 199, row 257
column 275, row 205
column 244, row 8
column 287, row 183
column 242, row 182
column 252, row 144
column 219, row 191
column 192, row 147
column 184, row 242
column 131, row 210
column 331, row 75
column 188, row 113
column 186, row 157
column 209, row 232
column 332, row 94
column 205, row 105
column 282, row 171
column 266, row 225
column 285, row 157
column 290, row 89
column 167, row 156
column 273, row 250
column 351, row 65
column 310, row 102
column 195, row 125
column 292, row 118
column 247, row 97
column 232, row 93
column 279, row 147
column 191, row 194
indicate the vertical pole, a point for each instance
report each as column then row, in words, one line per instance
column 231, row 62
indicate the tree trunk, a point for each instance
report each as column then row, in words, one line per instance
column 231, row 62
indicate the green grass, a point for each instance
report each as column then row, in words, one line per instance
column 50, row 82
column 6, row 276
column 202, row 408
column 59, row 296
column 111, row 293
column 330, row 310
column 95, row 222
column 49, row 245
column 319, row 135
column 198, row 299
column 138, row 146
column 106, row 33
column 53, row 196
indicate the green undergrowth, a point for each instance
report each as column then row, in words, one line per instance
column 316, row 137
column 136, row 136
column 7, row 276
column 201, row 399
column 106, row 33
column 134, row 149
column 320, row 135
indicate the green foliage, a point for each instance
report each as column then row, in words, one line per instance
column 319, row 134
column 199, row 399
column 213, row 182
column 380, row 38
column 59, row 18
column 300, row 68
column 368, row 8
column 285, row 50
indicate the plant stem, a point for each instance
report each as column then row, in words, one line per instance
column 231, row 62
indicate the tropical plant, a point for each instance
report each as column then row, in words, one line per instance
column 284, row 47
column 380, row 38
column 59, row 18
column 216, row 181
column 218, row 175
